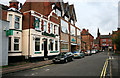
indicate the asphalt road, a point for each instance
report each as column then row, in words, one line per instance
column 87, row 66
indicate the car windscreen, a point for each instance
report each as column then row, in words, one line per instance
column 61, row 54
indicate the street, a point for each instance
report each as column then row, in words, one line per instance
column 87, row 66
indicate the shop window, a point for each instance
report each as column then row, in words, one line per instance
column 37, row 44
column 45, row 26
column 51, row 28
column 17, row 22
column 16, row 43
column 56, row 45
column 64, row 46
column 9, row 45
column 37, row 23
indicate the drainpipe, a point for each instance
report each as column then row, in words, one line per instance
column 29, row 32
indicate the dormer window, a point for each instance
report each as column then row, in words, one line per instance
column 17, row 22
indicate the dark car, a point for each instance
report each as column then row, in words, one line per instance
column 63, row 57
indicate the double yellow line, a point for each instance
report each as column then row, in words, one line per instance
column 104, row 69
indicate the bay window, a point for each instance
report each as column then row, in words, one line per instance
column 16, row 43
column 9, row 44
column 17, row 22
column 10, row 19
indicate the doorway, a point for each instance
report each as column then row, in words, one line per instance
column 45, row 48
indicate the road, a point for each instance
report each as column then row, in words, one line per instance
column 87, row 66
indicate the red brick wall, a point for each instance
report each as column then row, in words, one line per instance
column 4, row 15
column 107, row 42
column 26, row 21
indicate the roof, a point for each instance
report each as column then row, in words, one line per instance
column 105, row 36
column 86, row 32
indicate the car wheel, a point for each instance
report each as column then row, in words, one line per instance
column 66, row 60
column 72, row 59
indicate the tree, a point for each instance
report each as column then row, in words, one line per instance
column 116, row 40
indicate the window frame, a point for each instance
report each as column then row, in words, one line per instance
column 45, row 28
column 16, row 43
column 39, row 44
column 17, row 22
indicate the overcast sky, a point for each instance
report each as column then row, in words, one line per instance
column 93, row 14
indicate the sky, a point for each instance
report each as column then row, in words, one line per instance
column 93, row 14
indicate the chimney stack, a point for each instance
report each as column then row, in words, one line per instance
column 14, row 4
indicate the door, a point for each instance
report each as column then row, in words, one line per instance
column 45, row 48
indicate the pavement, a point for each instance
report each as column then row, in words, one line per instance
column 115, row 64
column 24, row 66
column 85, row 67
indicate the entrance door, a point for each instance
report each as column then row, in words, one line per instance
column 45, row 48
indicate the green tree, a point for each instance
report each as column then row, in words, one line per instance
column 116, row 40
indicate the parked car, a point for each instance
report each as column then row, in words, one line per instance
column 63, row 57
column 78, row 54
column 87, row 52
column 93, row 51
column 97, row 51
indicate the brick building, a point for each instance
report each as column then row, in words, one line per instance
column 41, row 29
column 88, row 38
column 106, row 42
column 113, row 35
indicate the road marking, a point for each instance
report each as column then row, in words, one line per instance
column 42, row 67
column 104, row 69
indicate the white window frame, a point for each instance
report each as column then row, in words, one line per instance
column 45, row 25
column 17, row 43
column 39, row 45
column 17, row 22
column 51, row 27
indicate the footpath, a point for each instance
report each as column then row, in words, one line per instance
column 25, row 66
column 115, row 64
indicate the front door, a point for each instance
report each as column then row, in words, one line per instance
column 45, row 48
